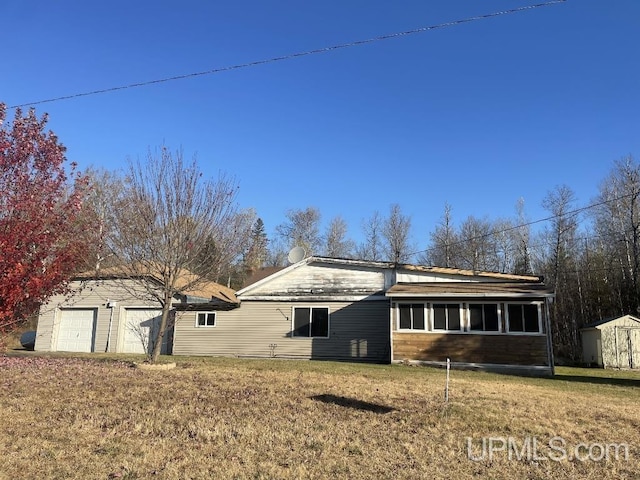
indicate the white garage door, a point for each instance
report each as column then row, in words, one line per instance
column 140, row 328
column 76, row 330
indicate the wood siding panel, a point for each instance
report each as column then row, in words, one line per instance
column 318, row 279
column 419, row 277
column 471, row 348
column 358, row 331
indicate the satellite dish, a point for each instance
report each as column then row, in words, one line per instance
column 296, row 254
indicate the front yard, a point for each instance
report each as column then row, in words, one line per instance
column 97, row 417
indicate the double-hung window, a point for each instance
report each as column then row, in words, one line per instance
column 206, row 319
column 446, row 316
column 483, row 317
column 310, row 322
column 411, row 316
column 523, row 317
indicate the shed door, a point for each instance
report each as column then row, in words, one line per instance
column 634, row 346
column 76, row 332
column 140, row 327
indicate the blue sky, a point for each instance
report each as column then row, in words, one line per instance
column 476, row 115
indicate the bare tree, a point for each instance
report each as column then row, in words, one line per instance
column 302, row 229
column 336, row 242
column 504, row 246
column 371, row 248
column 277, row 252
column 444, row 243
column 521, row 241
column 560, row 261
column 104, row 187
column 476, row 249
column 220, row 259
column 164, row 218
column 617, row 219
column 396, row 230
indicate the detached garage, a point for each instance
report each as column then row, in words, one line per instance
column 612, row 342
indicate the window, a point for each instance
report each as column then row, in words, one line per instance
column 206, row 319
column 411, row 316
column 311, row 322
column 523, row 317
column 446, row 316
column 484, row 317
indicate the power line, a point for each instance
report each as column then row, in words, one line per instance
column 295, row 55
column 568, row 214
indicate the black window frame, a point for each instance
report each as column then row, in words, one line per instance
column 436, row 306
column 521, row 324
column 412, row 308
column 484, row 319
column 313, row 319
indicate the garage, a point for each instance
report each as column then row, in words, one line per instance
column 140, row 326
column 76, row 331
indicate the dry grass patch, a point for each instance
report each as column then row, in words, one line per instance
column 223, row 418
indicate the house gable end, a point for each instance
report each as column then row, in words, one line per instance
column 315, row 277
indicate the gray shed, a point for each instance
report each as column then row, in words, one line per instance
column 612, row 342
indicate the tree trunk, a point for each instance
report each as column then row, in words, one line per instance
column 164, row 322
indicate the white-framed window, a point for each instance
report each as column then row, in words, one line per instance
column 523, row 317
column 446, row 316
column 411, row 316
column 206, row 319
column 484, row 317
column 310, row 322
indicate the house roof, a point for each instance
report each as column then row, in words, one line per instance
column 471, row 273
column 425, row 269
column 260, row 274
column 480, row 289
column 188, row 283
column 256, row 281
column 603, row 321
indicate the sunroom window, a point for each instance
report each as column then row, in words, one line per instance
column 411, row 316
column 523, row 317
column 446, row 316
column 484, row 317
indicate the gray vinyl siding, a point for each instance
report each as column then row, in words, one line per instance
column 357, row 331
column 89, row 294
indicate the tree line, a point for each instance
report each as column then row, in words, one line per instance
column 162, row 215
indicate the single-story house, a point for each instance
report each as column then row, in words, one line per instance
column 108, row 311
column 612, row 342
column 324, row 308
column 337, row 309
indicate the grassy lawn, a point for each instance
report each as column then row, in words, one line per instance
column 97, row 417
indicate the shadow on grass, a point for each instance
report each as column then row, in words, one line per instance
column 622, row 382
column 352, row 403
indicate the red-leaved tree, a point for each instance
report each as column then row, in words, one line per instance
column 41, row 228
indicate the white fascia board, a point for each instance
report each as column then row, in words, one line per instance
column 319, row 298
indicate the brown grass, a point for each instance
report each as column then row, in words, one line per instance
column 65, row 417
